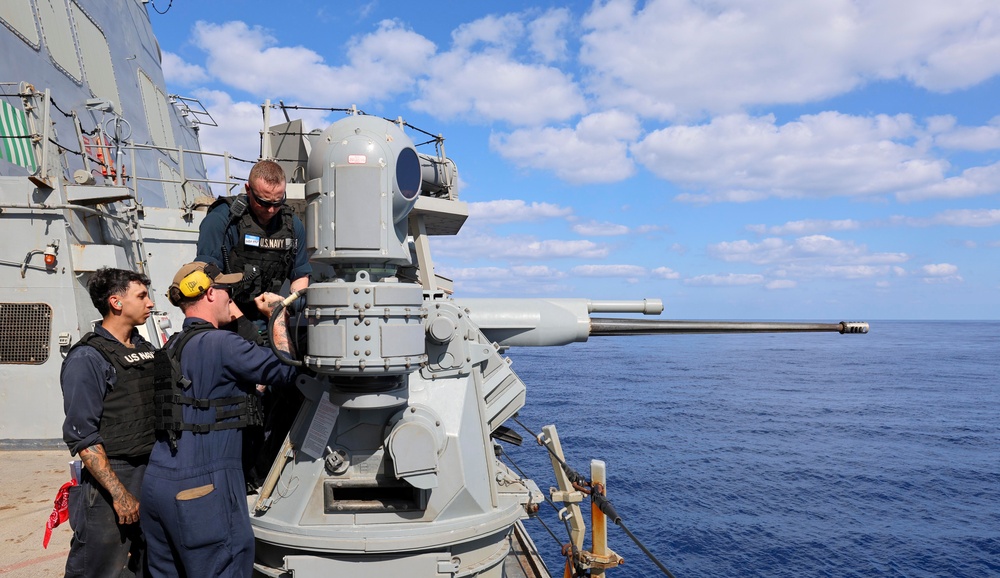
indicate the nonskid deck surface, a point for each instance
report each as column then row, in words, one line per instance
column 28, row 485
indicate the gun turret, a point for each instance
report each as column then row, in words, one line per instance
column 390, row 460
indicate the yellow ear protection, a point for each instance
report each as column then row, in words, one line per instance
column 197, row 282
column 194, row 284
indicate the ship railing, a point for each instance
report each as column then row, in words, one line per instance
column 101, row 151
column 182, row 178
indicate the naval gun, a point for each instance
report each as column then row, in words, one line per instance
column 390, row 468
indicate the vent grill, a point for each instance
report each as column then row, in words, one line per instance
column 25, row 329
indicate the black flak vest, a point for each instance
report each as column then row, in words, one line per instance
column 127, row 423
column 265, row 257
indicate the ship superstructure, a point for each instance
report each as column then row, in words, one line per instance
column 99, row 166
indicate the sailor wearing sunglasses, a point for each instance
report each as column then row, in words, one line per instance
column 256, row 234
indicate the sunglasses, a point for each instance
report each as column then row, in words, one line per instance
column 262, row 202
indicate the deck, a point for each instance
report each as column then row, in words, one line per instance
column 28, row 485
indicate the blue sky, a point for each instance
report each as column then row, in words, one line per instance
column 774, row 159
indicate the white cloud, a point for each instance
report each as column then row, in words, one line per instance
column 974, row 138
column 954, row 218
column 727, row 280
column 665, row 273
column 472, row 273
column 513, row 281
column 502, row 32
column 815, row 248
column 492, row 87
column 627, row 271
column 236, row 120
column 548, row 248
column 594, row 151
column 468, row 246
column 972, row 182
column 600, row 229
column 742, row 158
column 852, row 271
column 676, row 58
column 480, row 78
column 537, row 271
column 940, row 273
column 809, row 257
column 515, row 210
column 176, row 71
column 949, row 218
column 961, row 41
column 806, row 227
column 939, row 270
column 362, row 10
column 547, row 34
column 381, row 64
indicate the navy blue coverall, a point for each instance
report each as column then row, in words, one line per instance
column 194, row 508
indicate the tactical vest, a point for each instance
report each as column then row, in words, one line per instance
column 265, row 258
column 127, row 421
column 173, row 392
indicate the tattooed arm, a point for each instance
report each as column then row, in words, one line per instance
column 126, row 505
column 266, row 302
column 280, row 337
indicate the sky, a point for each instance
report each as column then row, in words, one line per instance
column 769, row 159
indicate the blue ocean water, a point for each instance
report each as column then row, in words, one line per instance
column 782, row 454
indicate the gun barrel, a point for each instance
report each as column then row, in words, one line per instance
column 645, row 306
column 608, row 326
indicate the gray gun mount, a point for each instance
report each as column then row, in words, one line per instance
column 390, row 466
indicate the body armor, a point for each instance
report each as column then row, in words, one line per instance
column 173, row 391
column 127, row 421
column 265, row 257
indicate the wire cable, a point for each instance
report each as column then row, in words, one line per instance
column 574, row 476
column 600, row 501
column 165, row 10
column 547, row 500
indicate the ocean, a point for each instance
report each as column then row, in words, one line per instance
column 781, row 454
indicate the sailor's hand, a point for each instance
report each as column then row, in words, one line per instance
column 126, row 507
column 266, row 302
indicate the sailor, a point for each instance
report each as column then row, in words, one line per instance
column 194, row 513
column 107, row 384
column 256, row 234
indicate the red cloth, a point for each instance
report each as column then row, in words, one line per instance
column 60, row 513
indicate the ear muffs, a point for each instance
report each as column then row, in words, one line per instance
column 194, row 284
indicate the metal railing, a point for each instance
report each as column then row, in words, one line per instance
column 183, row 179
